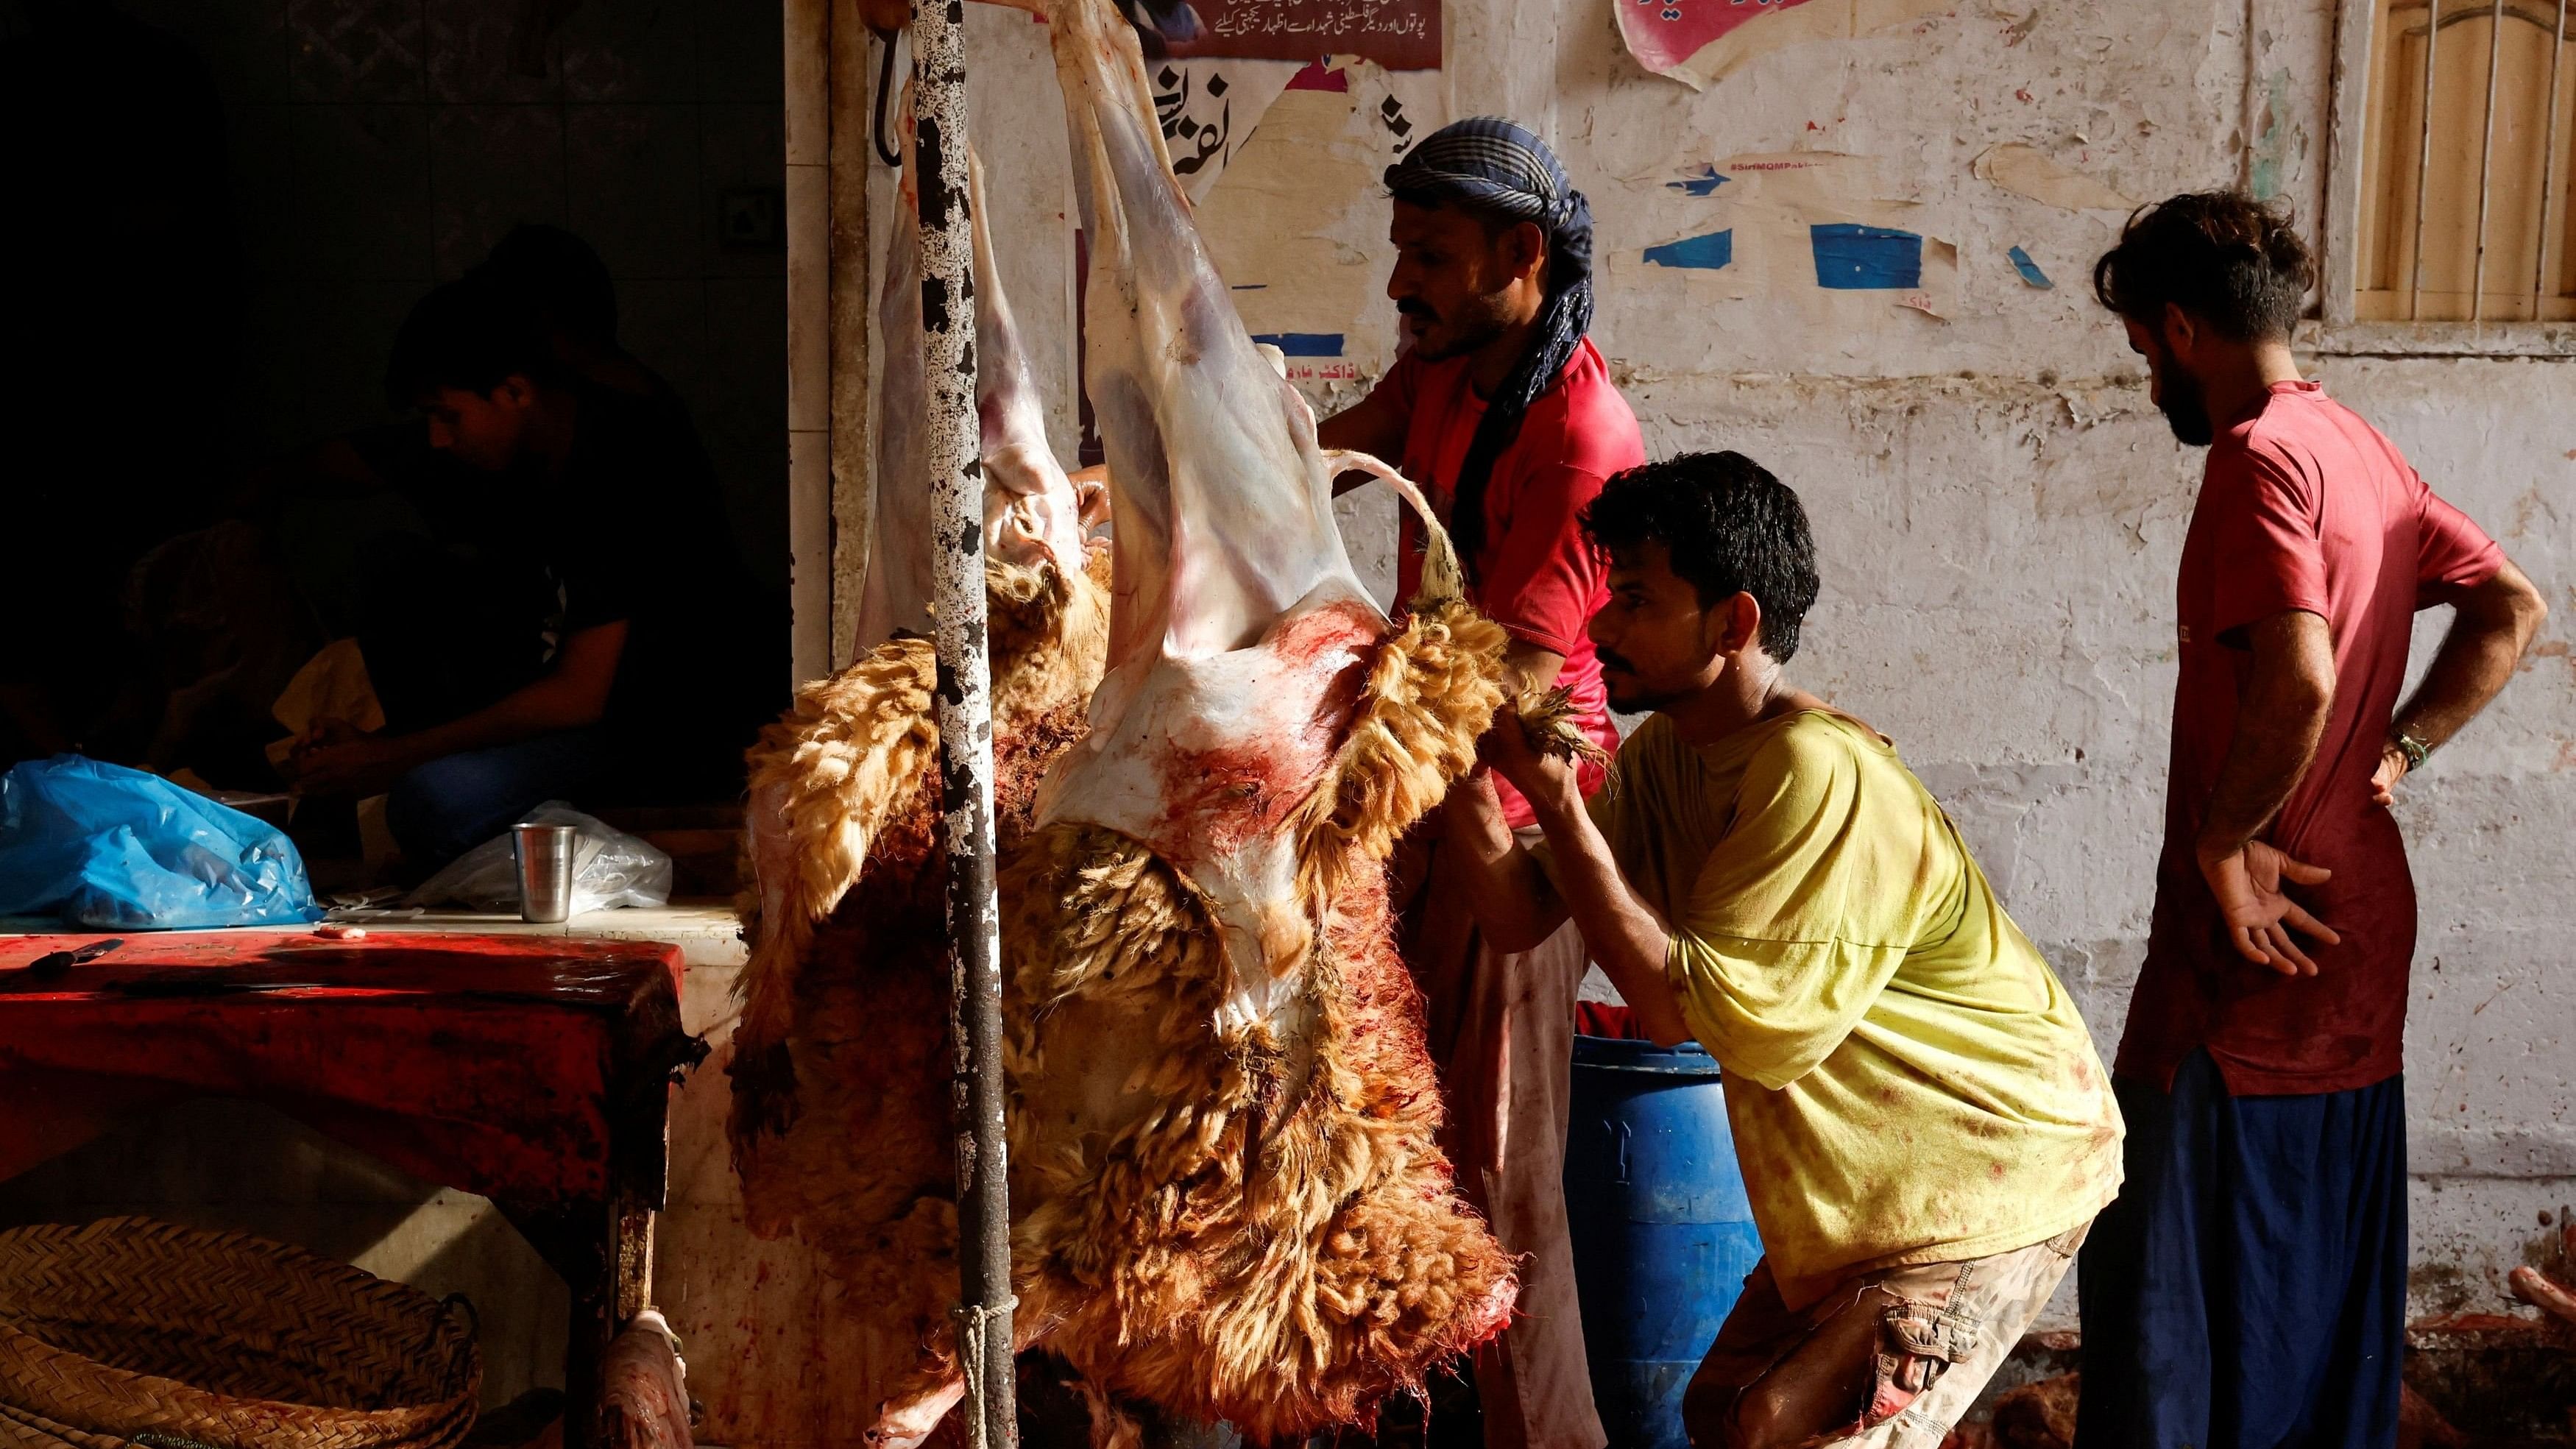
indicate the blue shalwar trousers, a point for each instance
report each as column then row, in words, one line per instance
column 440, row 810
column 2248, row 1288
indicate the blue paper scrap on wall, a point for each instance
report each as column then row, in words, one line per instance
column 1703, row 182
column 1303, row 344
column 2029, row 270
column 1706, row 253
column 1851, row 258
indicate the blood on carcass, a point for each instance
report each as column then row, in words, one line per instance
column 1221, row 797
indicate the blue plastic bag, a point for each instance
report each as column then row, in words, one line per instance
column 104, row 846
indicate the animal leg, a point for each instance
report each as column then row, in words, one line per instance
column 904, row 1422
column 1111, row 1426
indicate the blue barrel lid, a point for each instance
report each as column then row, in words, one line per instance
column 1626, row 1054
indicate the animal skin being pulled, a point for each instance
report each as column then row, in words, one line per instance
column 1227, row 1201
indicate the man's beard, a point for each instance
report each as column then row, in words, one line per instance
column 1640, row 703
column 2184, row 412
column 1476, row 327
column 1637, row 701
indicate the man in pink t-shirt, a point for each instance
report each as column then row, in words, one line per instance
column 2249, row 1285
column 1504, row 412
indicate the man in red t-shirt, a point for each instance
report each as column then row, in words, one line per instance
column 1504, row 412
column 2249, row 1286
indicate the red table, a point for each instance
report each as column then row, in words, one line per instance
column 534, row 1070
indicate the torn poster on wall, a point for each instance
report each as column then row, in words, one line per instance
column 1709, row 251
column 1298, row 226
column 1300, row 222
column 1812, row 231
column 1697, row 41
column 2029, row 171
column 1217, row 66
column 2029, row 269
column 1208, row 109
column 1397, row 34
column 1855, row 258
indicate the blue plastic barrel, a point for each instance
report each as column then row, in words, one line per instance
column 1663, row 1234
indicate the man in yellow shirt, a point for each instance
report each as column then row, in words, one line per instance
column 1924, row 1128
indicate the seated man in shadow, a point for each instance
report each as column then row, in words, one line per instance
column 640, row 676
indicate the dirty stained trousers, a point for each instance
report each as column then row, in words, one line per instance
column 1502, row 1035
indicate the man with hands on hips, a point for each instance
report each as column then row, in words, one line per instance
column 2249, row 1287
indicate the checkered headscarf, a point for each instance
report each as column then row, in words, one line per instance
column 1488, row 164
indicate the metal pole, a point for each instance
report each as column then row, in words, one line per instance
column 2424, row 159
column 2486, row 161
column 965, row 722
column 2548, row 167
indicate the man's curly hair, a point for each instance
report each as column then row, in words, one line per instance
column 2225, row 258
column 1731, row 527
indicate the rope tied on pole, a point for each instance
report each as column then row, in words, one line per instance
column 974, row 1322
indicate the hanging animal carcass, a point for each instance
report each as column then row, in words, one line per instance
column 1227, row 1200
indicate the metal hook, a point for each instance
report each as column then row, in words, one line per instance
column 885, row 83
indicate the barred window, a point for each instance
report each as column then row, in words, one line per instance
column 2468, row 160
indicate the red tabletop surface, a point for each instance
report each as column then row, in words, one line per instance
column 530, row 1069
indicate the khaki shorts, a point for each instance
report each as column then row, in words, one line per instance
column 1886, row 1360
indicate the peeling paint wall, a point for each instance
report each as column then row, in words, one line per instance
column 1999, row 507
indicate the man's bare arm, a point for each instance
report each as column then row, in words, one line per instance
column 2281, row 714
column 1510, row 897
column 1373, row 426
column 1624, row 937
column 572, row 693
column 1528, row 667
column 2491, row 630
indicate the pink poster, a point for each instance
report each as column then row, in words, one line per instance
column 1698, row 41
column 1665, row 34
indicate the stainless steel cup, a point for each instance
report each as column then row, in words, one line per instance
column 545, row 870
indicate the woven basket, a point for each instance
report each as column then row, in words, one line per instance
column 128, row 1330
